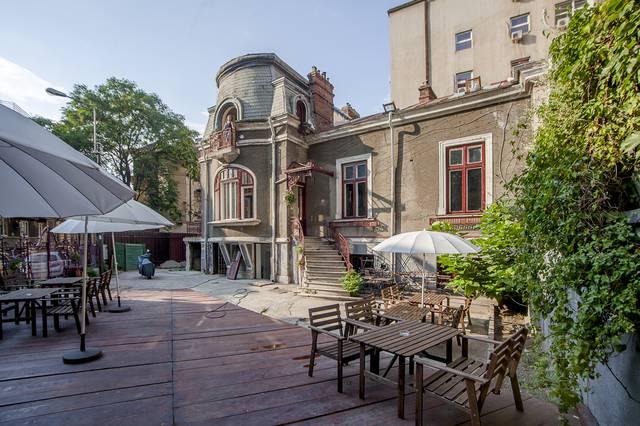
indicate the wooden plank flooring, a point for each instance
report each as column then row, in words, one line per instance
column 181, row 357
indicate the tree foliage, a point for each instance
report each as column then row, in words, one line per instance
column 579, row 260
column 490, row 272
column 142, row 141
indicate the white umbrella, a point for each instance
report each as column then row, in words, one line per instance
column 426, row 242
column 44, row 177
column 131, row 216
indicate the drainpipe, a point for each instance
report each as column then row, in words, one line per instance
column 274, row 251
column 392, row 228
column 205, row 213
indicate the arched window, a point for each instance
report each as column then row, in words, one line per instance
column 229, row 112
column 301, row 112
column 234, row 194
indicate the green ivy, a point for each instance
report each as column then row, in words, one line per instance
column 352, row 282
column 577, row 258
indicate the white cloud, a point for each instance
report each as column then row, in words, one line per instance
column 198, row 127
column 27, row 90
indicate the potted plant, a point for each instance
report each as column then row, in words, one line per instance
column 352, row 282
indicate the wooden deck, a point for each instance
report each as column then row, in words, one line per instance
column 182, row 357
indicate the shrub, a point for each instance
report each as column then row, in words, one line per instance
column 352, row 282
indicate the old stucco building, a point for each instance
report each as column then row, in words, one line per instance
column 282, row 165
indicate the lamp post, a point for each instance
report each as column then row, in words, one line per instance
column 55, row 92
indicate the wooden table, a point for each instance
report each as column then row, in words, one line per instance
column 32, row 297
column 430, row 298
column 61, row 282
column 406, row 312
column 404, row 339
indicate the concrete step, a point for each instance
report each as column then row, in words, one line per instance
column 338, row 272
column 338, row 298
column 335, row 267
column 326, row 288
column 324, row 280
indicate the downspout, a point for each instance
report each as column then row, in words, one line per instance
column 205, row 217
column 427, row 42
column 274, row 251
column 392, row 228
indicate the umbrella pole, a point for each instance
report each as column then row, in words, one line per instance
column 423, row 277
column 84, row 354
column 119, row 308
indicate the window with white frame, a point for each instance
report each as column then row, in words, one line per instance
column 566, row 8
column 461, row 79
column 520, row 23
column 464, row 40
column 234, row 194
column 354, row 190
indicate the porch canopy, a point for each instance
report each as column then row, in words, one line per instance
column 297, row 172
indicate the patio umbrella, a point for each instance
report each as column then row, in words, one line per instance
column 44, row 177
column 131, row 216
column 426, row 242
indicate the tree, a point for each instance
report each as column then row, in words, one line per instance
column 142, row 141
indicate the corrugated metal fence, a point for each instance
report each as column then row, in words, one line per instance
column 163, row 245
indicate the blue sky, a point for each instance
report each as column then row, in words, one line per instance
column 174, row 48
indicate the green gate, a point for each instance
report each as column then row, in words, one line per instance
column 127, row 255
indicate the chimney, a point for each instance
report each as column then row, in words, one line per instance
column 322, row 99
column 426, row 93
column 350, row 111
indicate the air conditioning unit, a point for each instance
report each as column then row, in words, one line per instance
column 562, row 23
column 516, row 36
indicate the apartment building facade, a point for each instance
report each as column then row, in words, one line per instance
column 457, row 45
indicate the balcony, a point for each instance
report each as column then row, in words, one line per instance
column 462, row 223
column 194, row 228
column 221, row 146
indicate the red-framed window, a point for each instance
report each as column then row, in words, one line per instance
column 354, row 190
column 234, row 194
column 466, row 178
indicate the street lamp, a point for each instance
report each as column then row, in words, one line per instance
column 55, row 92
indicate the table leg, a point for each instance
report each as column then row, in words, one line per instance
column 32, row 308
column 401, row 386
column 45, row 332
column 411, row 366
column 375, row 362
column 449, row 350
column 362, row 360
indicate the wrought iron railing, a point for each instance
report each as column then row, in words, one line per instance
column 342, row 245
column 224, row 138
column 469, row 222
column 194, row 228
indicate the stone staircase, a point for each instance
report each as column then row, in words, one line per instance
column 324, row 269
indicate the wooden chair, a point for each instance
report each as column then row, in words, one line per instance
column 103, row 286
column 92, row 292
column 361, row 315
column 391, row 295
column 64, row 303
column 467, row 382
column 326, row 320
column 108, row 283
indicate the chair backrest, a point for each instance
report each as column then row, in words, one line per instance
column 361, row 310
column 505, row 358
column 326, row 317
column 390, row 293
column 91, row 287
column 451, row 316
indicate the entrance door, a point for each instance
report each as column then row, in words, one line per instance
column 302, row 195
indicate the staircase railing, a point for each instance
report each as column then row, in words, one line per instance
column 342, row 245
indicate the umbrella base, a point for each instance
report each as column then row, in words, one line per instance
column 80, row 357
column 119, row 309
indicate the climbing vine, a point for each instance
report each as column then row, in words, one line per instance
column 578, row 262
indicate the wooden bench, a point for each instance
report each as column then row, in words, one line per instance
column 467, row 382
column 326, row 320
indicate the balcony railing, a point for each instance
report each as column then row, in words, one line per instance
column 459, row 222
column 222, row 145
column 194, row 228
